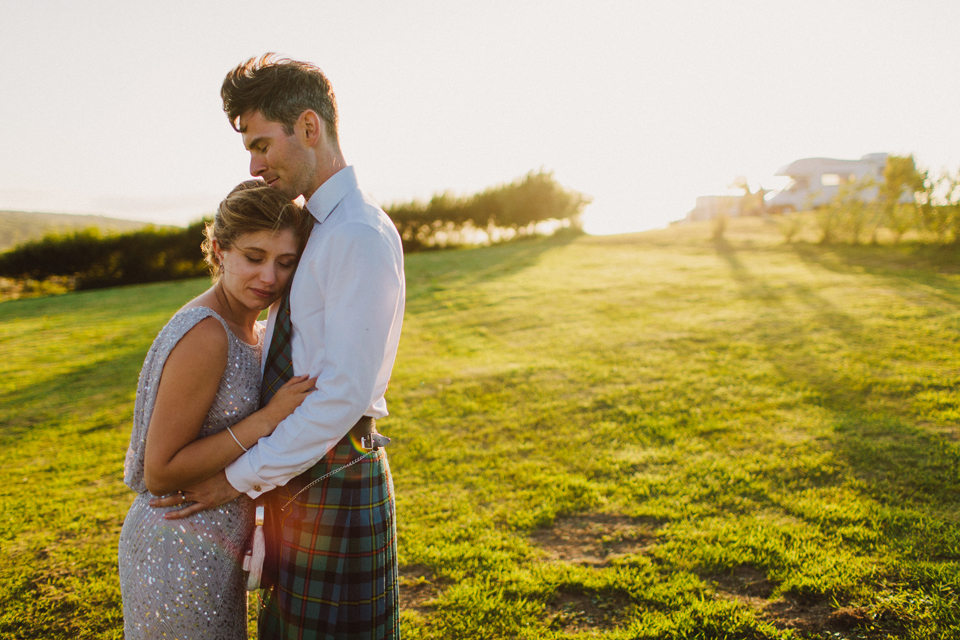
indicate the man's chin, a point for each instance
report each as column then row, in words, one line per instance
column 291, row 193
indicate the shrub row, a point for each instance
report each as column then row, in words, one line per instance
column 152, row 255
column 502, row 212
column 96, row 260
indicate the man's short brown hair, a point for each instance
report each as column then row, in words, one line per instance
column 280, row 89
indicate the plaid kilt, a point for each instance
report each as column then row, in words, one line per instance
column 337, row 575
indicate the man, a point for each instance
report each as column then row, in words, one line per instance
column 338, row 562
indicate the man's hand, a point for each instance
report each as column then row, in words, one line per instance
column 208, row 494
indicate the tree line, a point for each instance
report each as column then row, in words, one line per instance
column 498, row 213
column 95, row 260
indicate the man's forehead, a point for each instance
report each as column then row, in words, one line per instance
column 256, row 121
column 250, row 117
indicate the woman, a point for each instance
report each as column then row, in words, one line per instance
column 196, row 411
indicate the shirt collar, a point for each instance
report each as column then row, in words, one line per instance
column 331, row 192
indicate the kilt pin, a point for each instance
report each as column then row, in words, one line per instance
column 333, row 547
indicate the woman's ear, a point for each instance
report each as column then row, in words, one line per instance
column 217, row 251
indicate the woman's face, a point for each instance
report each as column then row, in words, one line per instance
column 257, row 268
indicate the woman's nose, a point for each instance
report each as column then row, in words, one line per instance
column 268, row 274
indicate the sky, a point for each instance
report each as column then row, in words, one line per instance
column 113, row 107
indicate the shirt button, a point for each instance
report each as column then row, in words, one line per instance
column 256, row 487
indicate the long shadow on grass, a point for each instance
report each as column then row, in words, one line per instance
column 127, row 300
column 458, row 269
column 846, row 327
column 895, row 459
column 80, row 390
column 932, row 267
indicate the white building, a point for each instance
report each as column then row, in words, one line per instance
column 815, row 181
column 710, row 207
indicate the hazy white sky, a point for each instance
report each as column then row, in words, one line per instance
column 113, row 107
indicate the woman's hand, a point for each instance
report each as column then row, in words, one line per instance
column 289, row 397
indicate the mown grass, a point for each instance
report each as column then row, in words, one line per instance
column 773, row 428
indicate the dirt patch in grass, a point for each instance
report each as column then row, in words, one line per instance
column 745, row 583
column 573, row 612
column 750, row 586
column 418, row 587
column 786, row 614
column 594, row 539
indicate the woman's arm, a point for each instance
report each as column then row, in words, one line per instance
column 174, row 458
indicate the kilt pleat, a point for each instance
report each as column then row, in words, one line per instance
column 338, row 557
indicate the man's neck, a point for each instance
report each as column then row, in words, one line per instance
column 329, row 162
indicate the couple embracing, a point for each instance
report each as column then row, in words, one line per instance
column 229, row 411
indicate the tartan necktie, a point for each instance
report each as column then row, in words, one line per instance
column 279, row 365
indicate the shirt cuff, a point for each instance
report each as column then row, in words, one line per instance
column 242, row 477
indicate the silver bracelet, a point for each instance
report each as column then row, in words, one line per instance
column 235, row 439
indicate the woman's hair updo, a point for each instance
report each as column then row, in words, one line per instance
column 253, row 206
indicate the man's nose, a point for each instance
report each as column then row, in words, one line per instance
column 257, row 166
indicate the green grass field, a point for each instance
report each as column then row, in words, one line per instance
column 646, row 436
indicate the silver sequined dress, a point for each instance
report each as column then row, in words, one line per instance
column 183, row 578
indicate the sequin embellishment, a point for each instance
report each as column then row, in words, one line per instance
column 182, row 578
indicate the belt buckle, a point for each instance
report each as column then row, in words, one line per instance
column 373, row 441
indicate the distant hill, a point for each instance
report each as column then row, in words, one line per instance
column 17, row 227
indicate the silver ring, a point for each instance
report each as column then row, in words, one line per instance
column 183, row 497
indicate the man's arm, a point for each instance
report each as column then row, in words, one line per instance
column 348, row 304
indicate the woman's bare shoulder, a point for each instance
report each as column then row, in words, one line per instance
column 202, row 349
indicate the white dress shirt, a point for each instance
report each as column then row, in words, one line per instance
column 346, row 305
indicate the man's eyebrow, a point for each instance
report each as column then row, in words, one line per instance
column 253, row 143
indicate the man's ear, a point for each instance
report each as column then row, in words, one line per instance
column 311, row 126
